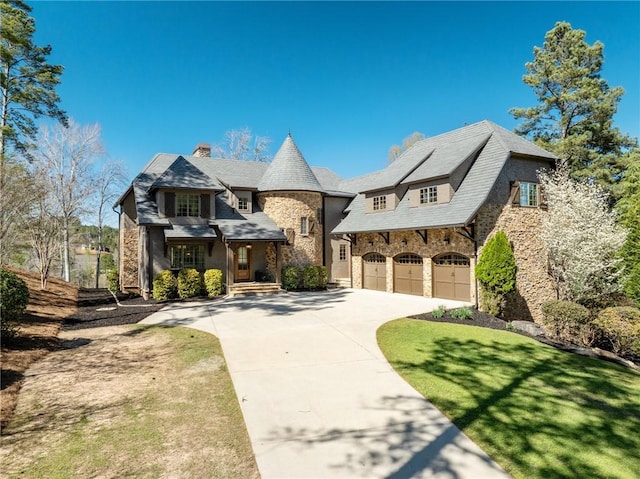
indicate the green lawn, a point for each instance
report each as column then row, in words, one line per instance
column 539, row 412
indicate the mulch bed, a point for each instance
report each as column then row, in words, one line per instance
column 481, row 319
column 98, row 308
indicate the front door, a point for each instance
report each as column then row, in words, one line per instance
column 243, row 264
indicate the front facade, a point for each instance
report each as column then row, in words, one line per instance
column 415, row 227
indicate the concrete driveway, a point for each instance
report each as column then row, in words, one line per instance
column 318, row 397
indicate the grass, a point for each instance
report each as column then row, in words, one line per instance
column 180, row 419
column 539, row 412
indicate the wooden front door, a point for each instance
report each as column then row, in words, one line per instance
column 243, row 264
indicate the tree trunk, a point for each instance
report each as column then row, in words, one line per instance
column 65, row 250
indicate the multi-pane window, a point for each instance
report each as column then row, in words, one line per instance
column 243, row 204
column 304, row 225
column 187, row 205
column 379, row 203
column 528, row 194
column 343, row 252
column 187, row 256
column 429, row 195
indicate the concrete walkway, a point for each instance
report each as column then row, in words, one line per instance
column 318, row 397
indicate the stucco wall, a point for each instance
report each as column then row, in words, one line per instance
column 286, row 209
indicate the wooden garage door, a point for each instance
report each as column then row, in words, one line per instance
column 374, row 272
column 407, row 274
column 451, row 277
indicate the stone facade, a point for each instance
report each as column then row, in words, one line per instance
column 522, row 226
column 129, row 258
column 286, row 209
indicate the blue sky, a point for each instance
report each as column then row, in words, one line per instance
column 347, row 79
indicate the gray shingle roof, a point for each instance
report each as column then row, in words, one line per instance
column 495, row 145
column 236, row 226
column 289, row 171
column 189, row 231
column 184, row 174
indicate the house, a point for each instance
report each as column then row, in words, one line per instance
column 416, row 226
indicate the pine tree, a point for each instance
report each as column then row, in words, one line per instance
column 574, row 115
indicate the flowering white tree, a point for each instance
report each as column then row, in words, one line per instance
column 581, row 237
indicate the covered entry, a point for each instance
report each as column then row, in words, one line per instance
column 407, row 274
column 451, row 277
column 374, row 272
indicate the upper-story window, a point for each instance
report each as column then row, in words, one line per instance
column 243, row 203
column 528, row 194
column 187, row 205
column 379, row 203
column 304, row 225
column 343, row 252
column 428, row 195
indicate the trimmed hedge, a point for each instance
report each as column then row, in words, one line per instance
column 213, row 282
column 620, row 326
column 308, row 277
column 290, row 277
column 567, row 321
column 165, row 286
column 189, row 283
column 113, row 280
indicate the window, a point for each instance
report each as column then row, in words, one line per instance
column 243, row 203
column 379, row 203
column 304, row 225
column 187, row 205
column 528, row 194
column 343, row 252
column 187, row 256
column 429, row 195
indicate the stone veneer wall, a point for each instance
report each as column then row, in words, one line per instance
column 522, row 226
column 434, row 246
column 286, row 209
column 129, row 254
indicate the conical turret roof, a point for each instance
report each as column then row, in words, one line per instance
column 289, row 171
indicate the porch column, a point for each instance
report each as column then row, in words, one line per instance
column 278, row 262
column 230, row 275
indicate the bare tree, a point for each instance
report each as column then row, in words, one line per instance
column 12, row 204
column 64, row 158
column 242, row 145
column 111, row 177
column 396, row 150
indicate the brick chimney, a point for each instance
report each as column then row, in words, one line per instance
column 202, row 150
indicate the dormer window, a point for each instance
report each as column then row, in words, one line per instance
column 428, row 195
column 243, row 204
column 379, row 203
column 187, row 205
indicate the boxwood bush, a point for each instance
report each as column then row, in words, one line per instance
column 620, row 326
column 189, row 283
column 165, row 286
column 14, row 297
column 567, row 321
column 291, row 277
column 213, row 282
column 314, row 277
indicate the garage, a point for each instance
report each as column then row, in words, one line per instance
column 374, row 272
column 407, row 274
column 451, row 277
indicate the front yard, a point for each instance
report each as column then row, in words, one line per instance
column 539, row 412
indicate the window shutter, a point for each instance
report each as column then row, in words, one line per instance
column 205, row 206
column 291, row 235
column 170, row 204
column 514, row 197
column 543, row 198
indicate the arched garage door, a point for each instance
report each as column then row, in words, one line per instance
column 407, row 274
column 451, row 277
column 374, row 272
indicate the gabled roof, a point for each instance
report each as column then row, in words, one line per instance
column 289, row 171
column 236, row 226
column 182, row 174
column 493, row 145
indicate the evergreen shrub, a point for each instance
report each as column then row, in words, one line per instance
column 14, row 297
column 567, row 321
column 165, row 286
column 620, row 326
column 291, row 277
column 213, row 282
column 189, row 283
column 496, row 272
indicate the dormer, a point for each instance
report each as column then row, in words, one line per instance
column 381, row 200
column 242, row 201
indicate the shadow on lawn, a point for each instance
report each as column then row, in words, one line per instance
column 529, row 383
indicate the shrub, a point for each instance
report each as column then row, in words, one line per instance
column 620, row 326
column 438, row 312
column 314, row 277
column 165, row 285
column 496, row 272
column 189, row 283
column 14, row 297
column 213, row 282
column 290, row 277
column 461, row 313
column 323, row 277
column 113, row 280
column 567, row 321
